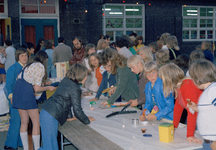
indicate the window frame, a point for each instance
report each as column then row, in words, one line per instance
column 5, row 14
column 124, row 29
column 198, row 28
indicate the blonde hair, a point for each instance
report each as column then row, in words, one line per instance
column 162, row 57
column 134, row 59
column 77, row 72
column 207, row 45
column 147, row 52
column 172, row 43
column 99, row 44
column 150, row 66
column 202, row 71
column 164, row 37
column 171, row 75
column 196, row 55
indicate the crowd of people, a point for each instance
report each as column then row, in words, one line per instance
column 156, row 78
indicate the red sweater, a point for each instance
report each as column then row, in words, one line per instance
column 188, row 90
column 98, row 75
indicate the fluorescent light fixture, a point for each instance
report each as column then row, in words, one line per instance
column 131, row 9
column 210, row 11
column 107, row 9
column 115, row 13
column 191, row 10
column 191, row 14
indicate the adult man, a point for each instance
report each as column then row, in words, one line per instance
column 10, row 53
column 79, row 51
column 121, row 47
column 61, row 52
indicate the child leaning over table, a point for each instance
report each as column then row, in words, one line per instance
column 157, row 103
column 55, row 110
column 136, row 64
column 203, row 73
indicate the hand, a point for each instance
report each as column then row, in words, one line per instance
column 142, row 118
column 91, row 119
column 193, row 139
column 112, row 90
column 104, row 103
column 51, row 88
column 213, row 145
column 134, row 103
column 193, row 106
column 93, row 99
column 49, row 82
column 72, row 119
column 151, row 117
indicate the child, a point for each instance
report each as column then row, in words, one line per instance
column 89, row 49
column 2, row 61
column 126, row 82
column 138, row 43
column 174, row 80
column 136, row 64
column 203, row 73
column 101, row 45
column 13, row 135
column 95, row 65
column 159, row 104
column 154, row 48
column 56, row 109
column 206, row 47
column 162, row 57
column 146, row 54
column 28, row 82
column 172, row 45
column 163, row 39
column 183, row 62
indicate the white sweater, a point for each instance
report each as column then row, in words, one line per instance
column 206, row 120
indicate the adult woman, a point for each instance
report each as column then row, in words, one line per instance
column 56, row 109
column 172, row 45
column 29, row 81
column 126, row 81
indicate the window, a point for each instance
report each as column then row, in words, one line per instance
column 199, row 23
column 38, row 6
column 122, row 19
column 3, row 9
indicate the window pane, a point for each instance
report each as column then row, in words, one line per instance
column 114, row 23
column 118, row 34
column 185, row 23
column 29, row 9
column 28, row 1
column 137, row 32
column 189, row 11
column 1, row 8
column 133, row 10
column 114, row 10
column 193, row 34
column 47, row 9
column 50, row 2
column 110, row 33
column 193, row 23
column 202, row 34
column 209, row 22
column 185, row 34
column 206, row 23
column 209, row 34
column 2, row 2
column 202, row 23
column 202, row 11
column 133, row 23
column 209, row 11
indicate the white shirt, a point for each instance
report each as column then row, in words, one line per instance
column 206, row 119
column 10, row 58
column 2, row 58
column 164, row 47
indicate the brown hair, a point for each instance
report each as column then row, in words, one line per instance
column 202, row 71
column 147, row 52
column 164, row 37
column 139, row 37
column 96, row 56
column 154, row 46
column 162, row 57
column 99, row 44
column 77, row 72
column 87, row 48
column 116, row 59
column 171, row 75
column 20, row 51
column 172, row 42
column 150, row 66
column 196, row 55
column 207, row 45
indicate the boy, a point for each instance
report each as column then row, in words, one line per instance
column 154, row 48
column 136, row 64
column 156, row 103
column 203, row 73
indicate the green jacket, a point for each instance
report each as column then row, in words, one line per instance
column 126, row 83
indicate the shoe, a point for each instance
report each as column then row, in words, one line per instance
column 10, row 148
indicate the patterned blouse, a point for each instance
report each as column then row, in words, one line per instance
column 34, row 74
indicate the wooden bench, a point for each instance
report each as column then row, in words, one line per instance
column 84, row 137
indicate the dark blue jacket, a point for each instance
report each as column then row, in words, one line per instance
column 208, row 55
column 165, row 104
column 103, row 85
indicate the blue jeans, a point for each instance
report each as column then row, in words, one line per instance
column 207, row 146
column 13, row 135
column 49, row 130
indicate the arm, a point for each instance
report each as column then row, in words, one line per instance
column 102, row 86
column 77, row 109
column 148, row 104
column 178, row 109
column 54, row 56
column 10, row 80
column 123, row 77
column 73, row 59
column 38, row 88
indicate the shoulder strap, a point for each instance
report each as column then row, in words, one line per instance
column 173, row 53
